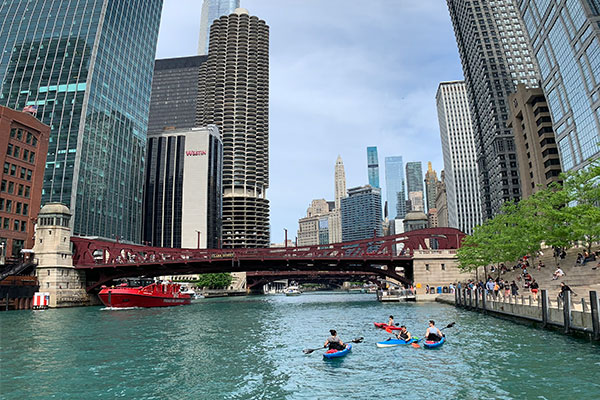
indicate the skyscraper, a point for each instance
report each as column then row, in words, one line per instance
column 430, row 186
column 495, row 55
column 174, row 93
column 211, row 10
column 566, row 40
column 234, row 95
column 414, row 185
column 460, row 173
column 394, row 185
column 373, row 166
column 87, row 66
column 361, row 213
column 340, row 182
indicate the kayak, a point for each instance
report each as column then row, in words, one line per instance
column 338, row 353
column 432, row 345
column 385, row 326
column 396, row 342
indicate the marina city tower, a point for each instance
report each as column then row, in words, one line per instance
column 87, row 66
column 234, row 95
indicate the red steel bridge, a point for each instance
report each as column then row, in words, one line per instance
column 387, row 256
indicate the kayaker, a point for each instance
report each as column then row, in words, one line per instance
column 391, row 321
column 334, row 342
column 433, row 334
column 404, row 334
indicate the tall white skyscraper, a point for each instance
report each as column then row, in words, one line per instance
column 460, row 158
column 211, row 10
column 340, row 182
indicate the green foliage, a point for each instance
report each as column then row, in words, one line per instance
column 214, row 281
column 557, row 216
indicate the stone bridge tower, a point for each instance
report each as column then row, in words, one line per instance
column 53, row 255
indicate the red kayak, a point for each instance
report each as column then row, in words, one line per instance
column 154, row 295
column 386, row 326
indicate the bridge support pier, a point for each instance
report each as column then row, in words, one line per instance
column 55, row 271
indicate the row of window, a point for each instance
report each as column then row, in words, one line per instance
column 62, row 221
column 20, row 208
column 15, row 151
column 23, row 173
column 23, row 135
column 17, row 225
column 9, row 187
column 17, row 245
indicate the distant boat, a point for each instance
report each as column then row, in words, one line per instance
column 292, row 291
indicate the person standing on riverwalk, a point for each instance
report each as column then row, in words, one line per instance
column 514, row 289
column 534, row 287
column 490, row 285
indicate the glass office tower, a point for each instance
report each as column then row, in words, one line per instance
column 87, row 66
column 373, row 166
column 394, row 186
column 211, row 10
column 566, row 41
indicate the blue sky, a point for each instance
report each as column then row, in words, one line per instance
column 344, row 75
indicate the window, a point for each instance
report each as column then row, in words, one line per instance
column 29, row 173
column 13, row 170
column 11, row 187
column 16, row 152
column 17, row 246
column 22, row 173
column 32, row 157
column 25, row 154
column 20, row 191
column 25, row 209
column 5, row 223
column 443, row 267
column 18, row 208
column 34, row 141
column 1, row 204
column 6, row 167
column 19, row 134
column 8, row 205
column 29, row 137
column 23, row 226
column 16, row 224
column 426, row 267
column 13, row 132
column 27, row 192
column 9, row 149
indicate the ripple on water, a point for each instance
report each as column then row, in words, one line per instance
column 251, row 348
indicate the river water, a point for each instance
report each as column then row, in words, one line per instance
column 251, row 348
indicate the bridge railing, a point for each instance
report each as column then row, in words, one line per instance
column 91, row 252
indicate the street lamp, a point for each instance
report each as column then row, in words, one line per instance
column 198, row 247
column 285, row 240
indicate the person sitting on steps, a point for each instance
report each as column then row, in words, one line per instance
column 433, row 334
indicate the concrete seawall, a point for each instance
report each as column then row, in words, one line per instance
column 581, row 318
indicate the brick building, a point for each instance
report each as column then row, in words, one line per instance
column 23, row 150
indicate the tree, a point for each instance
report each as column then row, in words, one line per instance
column 214, row 281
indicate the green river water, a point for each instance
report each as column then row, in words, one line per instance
column 251, row 348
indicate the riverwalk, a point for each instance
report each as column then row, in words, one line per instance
column 570, row 316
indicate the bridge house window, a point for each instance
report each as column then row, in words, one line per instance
column 426, row 267
column 443, row 267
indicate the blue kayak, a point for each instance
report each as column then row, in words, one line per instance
column 432, row 345
column 339, row 353
column 396, row 342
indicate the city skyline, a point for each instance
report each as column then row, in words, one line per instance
column 355, row 96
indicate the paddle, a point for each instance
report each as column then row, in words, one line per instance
column 416, row 344
column 357, row 340
column 389, row 330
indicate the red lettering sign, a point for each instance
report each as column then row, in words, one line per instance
column 195, row 153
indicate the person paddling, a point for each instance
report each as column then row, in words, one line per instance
column 404, row 334
column 334, row 342
column 391, row 321
column 433, row 334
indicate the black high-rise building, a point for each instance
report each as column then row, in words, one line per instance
column 174, row 93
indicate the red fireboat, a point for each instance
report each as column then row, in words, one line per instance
column 153, row 295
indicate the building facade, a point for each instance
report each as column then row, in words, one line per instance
column 314, row 228
column 495, row 55
column 414, row 185
column 537, row 154
column 174, row 93
column 461, row 173
column 183, row 197
column 361, row 213
column 430, row 186
column 23, row 149
column 212, row 10
column 566, row 41
column 394, row 186
column 441, row 202
column 87, row 66
column 373, row 166
column 234, row 95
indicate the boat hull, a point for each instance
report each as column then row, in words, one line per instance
column 339, row 353
column 432, row 345
column 395, row 342
column 386, row 326
column 118, row 298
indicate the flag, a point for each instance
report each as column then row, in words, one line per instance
column 30, row 109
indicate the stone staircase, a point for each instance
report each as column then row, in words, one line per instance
column 581, row 279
